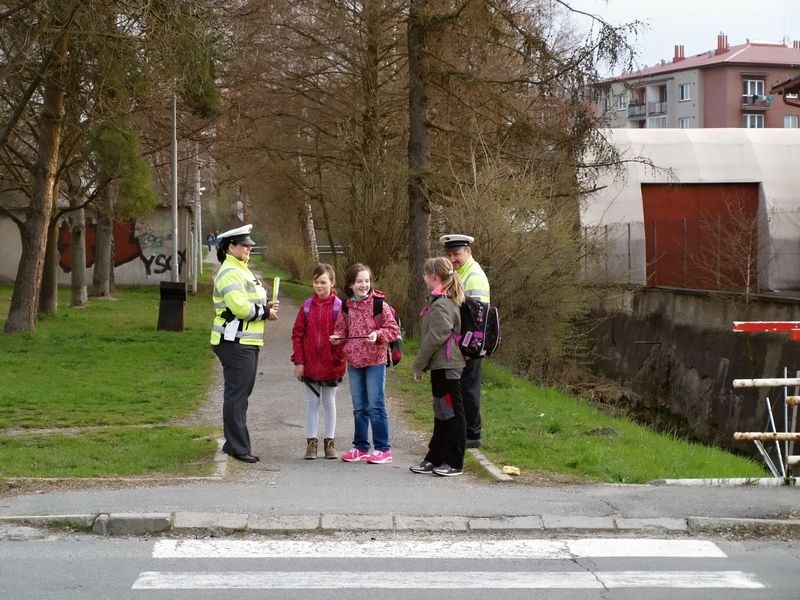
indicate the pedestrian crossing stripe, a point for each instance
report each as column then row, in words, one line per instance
column 537, row 549
column 284, row 580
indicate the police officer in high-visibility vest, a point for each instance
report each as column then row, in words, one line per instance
column 240, row 309
column 476, row 284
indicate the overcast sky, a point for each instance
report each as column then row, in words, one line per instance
column 696, row 23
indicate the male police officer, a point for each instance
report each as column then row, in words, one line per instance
column 457, row 248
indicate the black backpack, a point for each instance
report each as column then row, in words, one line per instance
column 480, row 328
column 396, row 345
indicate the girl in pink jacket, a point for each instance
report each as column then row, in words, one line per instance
column 364, row 337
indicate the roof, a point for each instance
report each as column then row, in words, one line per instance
column 751, row 53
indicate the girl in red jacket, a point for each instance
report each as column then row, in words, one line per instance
column 316, row 362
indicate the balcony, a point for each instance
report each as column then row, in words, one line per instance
column 756, row 103
column 643, row 110
column 637, row 111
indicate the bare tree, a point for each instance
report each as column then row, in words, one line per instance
column 76, row 39
column 34, row 229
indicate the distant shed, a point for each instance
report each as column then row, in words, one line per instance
column 720, row 210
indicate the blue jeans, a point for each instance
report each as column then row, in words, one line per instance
column 369, row 406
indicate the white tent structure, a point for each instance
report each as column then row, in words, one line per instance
column 614, row 218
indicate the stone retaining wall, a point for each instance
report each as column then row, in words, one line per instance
column 676, row 354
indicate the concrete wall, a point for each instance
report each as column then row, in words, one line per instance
column 143, row 252
column 676, row 355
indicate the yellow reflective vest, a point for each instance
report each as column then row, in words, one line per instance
column 240, row 305
column 476, row 284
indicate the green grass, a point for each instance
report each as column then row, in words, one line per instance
column 548, row 433
column 106, row 365
column 106, row 370
column 117, row 451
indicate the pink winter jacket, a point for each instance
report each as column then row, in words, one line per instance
column 359, row 321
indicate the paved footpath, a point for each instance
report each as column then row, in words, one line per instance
column 285, row 493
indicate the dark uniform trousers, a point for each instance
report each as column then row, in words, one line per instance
column 471, row 392
column 239, row 365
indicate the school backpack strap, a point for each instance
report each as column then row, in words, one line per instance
column 395, row 350
column 337, row 306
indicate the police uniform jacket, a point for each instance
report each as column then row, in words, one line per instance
column 239, row 295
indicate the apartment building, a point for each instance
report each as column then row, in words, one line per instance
column 725, row 87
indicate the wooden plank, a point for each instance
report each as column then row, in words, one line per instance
column 766, row 436
column 768, row 382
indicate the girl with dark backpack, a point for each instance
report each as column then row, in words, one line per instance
column 439, row 353
column 316, row 362
column 364, row 338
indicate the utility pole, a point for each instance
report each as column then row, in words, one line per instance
column 175, row 264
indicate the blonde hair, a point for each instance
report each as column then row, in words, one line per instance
column 451, row 282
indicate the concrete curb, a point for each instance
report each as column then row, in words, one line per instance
column 192, row 523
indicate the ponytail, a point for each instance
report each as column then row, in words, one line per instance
column 451, row 282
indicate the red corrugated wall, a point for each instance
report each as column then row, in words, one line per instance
column 702, row 235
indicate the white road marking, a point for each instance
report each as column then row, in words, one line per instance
column 487, row 549
column 163, row 580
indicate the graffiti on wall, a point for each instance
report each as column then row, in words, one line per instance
column 132, row 241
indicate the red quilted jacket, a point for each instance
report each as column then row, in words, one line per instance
column 311, row 346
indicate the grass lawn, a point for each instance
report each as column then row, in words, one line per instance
column 93, row 392
column 552, row 436
column 110, row 382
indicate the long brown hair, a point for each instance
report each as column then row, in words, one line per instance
column 351, row 275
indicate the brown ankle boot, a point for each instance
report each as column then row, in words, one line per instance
column 330, row 449
column 311, row 449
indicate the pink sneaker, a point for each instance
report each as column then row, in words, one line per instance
column 380, row 457
column 354, row 455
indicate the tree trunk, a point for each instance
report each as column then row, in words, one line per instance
column 311, row 233
column 101, row 276
column 77, row 227
column 22, row 311
column 419, row 208
column 48, row 298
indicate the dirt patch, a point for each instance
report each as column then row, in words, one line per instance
column 21, row 486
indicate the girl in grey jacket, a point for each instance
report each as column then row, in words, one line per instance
column 439, row 353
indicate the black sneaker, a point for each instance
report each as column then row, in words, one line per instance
column 473, row 443
column 423, row 467
column 447, row 471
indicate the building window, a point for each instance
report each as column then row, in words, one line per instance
column 657, row 122
column 751, row 121
column 622, row 102
column 685, row 123
column 752, row 89
column 790, row 121
column 685, row 92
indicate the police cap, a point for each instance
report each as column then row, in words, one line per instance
column 239, row 236
column 455, row 240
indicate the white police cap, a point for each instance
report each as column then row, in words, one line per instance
column 454, row 240
column 239, row 236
